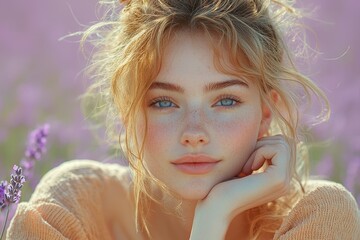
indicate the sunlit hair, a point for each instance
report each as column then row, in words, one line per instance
column 129, row 46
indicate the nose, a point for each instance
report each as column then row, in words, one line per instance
column 194, row 139
column 194, row 133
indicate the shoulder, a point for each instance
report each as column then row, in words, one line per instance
column 89, row 169
column 327, row 211
column 80, row 177
column 322, row 193
column 73, row 201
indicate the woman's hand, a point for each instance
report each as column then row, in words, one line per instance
column 228, row 199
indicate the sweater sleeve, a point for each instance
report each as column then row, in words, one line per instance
column 66, row 204
column 44, row 221
column 329, row 211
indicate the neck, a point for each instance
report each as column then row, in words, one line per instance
column 172, row 218
column 172, row 213
column 185, row 212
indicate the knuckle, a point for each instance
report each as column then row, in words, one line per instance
column 283, row 145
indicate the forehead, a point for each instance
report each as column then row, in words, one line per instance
column 192, row 46
column 193, row 56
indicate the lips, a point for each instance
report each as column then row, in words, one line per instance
column 195, row 164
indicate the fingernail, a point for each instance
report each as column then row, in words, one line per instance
column 242, row 175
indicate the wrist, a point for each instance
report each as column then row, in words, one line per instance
column 209, row 223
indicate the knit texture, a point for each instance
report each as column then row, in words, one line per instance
column 85, row 199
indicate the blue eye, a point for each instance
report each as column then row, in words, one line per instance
column 162, row 102
column 227, row 102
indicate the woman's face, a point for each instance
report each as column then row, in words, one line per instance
column 201, row 114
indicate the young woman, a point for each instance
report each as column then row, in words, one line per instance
column 208, row 97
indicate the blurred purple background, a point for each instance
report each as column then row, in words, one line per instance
column 41, row 78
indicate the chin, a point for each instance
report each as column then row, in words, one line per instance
column 194, row 192
column 194, row 196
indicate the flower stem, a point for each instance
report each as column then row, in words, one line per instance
column 7, row 215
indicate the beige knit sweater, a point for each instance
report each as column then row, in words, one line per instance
column 85, row 199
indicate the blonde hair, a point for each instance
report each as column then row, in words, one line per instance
column 130, row 42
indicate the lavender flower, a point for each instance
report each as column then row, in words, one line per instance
column 11, row 193
column 3, row 185
column 36, row 147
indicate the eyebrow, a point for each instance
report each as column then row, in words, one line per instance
column 225, row 84
column 210, row 87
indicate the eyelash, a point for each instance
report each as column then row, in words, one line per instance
column 221, row 97
column 228, row 97
column 161, row 99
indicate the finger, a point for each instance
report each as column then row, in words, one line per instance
column 277, row 136
column 278, row 154
column 277, row 139
column 242, row 174
column 269, row 141
column 280, row 158
column 264, row 154
column 247, row 167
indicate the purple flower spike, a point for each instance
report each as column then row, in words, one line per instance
column 3, row 185
column 27, row 164
column 11, row 193
column 36, row 147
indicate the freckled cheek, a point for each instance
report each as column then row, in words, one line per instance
column 237, row 136
column 159, row 145
column 160, row 136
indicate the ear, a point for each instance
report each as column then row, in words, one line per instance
column 273, row 98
